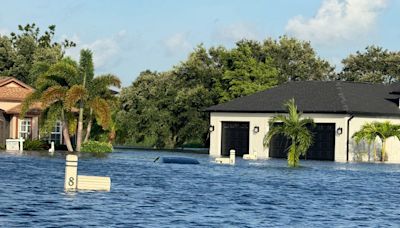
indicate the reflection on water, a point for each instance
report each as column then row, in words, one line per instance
column 148, row 194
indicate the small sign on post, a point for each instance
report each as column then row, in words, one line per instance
column 74, row 182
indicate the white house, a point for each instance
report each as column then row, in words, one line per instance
column 339, row 109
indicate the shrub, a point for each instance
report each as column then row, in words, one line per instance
column 35, row 145
column 2, row 146
column 96, row 147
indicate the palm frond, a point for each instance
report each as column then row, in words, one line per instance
column 294, row 127
column 49, row 118
column 52, row 94
column 102, row 112
column 64, row 73
column 73, row 95
column 273, row 130
column 86, row 64
column 29, row 100
column 100, row 85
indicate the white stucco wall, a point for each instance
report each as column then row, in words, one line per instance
column 255, row 139
column 261, row 120
column 359, row 152
column 356, row 152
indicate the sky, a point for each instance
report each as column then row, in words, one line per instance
column 130, row 36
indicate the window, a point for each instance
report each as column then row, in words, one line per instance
column 25, row 128
column 56, row 134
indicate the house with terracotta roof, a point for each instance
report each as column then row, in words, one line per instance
column 338, row 108
column 12, row 126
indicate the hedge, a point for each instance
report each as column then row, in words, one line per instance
column 96, row 147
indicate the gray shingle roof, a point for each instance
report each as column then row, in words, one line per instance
column 320, row 97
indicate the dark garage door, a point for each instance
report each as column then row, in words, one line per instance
column 322, row 149
column 235, row 135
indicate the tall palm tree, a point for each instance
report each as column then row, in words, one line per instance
column 99, row 102
column 96, row 97
column 368, row 132
column 87, row 73
column 382, row 130
column 54, row 87
column 293, row 127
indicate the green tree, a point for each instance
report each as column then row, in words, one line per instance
column 87, row 73
column 147, row 108
column 296, row 60
column 247, row 71
column 175, row 99
column 383, row 130
column 22, row 53
column 375, row 65
column 7, row 55
column 96, row 90
column 198, row 81
column 102, row 104
column 293, row 127
column 55, row 87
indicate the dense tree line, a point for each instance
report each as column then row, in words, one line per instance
column 165, row 109
column 375, row 65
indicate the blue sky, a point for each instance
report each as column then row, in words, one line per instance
column 129, row 36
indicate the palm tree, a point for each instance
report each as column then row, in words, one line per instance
column 99, row 102
column 96, row 99
column 384, row 130
column 56, row 85
column 295, row 128
column 368, row 132
column 87, row 72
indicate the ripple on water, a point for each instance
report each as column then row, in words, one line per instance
column 147, row 194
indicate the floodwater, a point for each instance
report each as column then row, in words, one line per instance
column 148, row 194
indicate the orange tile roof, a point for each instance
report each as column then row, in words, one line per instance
column 13, row 93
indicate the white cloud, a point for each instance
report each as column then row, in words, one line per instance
column 177, row 43
column 105, row 51
column 337, row 21
column 236, row 32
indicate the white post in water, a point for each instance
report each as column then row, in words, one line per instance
column 51, row 150
column 21, row 144
column 71, row 172
column 232, row 156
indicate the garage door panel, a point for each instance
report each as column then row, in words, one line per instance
column 323, row 147
column 235, row 135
